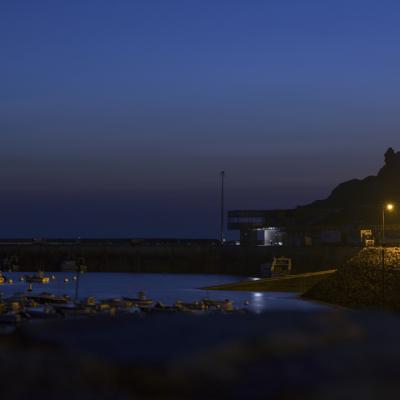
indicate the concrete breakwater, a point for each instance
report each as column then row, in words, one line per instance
column 291, row 283
column 186, row 257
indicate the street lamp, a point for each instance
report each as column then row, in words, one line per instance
column 386, row 207
column 222, row 236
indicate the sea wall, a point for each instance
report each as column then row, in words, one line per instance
column 171, row 258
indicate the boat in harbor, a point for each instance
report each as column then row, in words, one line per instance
column 39, row 278
column 117, row 303
column 159, row 307
column 42, row 312
column 118, row 307
column 225, row 305
column 193, row 306
column 140, row 301
column 72, row 310
column 48, row 298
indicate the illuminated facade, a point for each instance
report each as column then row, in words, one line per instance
column 310, row 226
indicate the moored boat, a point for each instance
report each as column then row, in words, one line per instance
column 39, row 278
column 225, row 305
column 48, row 298
column 42, row 312
column 72, row 310
column 140, row 301
column 194, row 306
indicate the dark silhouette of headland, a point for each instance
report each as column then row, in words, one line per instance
column 370, row 191
column 352, row 207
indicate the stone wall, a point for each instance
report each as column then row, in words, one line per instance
column 188, row 258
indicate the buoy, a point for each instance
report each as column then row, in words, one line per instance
column 91, row 301
column 53, row 277
column 30, row 287
column 228, row 306
column 21, row 278
column 66, row 280
column 247, row 302
column 10, row 281
column 74, row 278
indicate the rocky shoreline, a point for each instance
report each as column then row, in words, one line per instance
column 362, row 282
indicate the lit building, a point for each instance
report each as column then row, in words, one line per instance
column 351, row 215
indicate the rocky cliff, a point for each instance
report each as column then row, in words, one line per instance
column 360, row 200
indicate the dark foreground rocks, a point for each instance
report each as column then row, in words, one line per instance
column 330, row 355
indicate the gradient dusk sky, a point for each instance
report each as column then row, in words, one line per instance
column 117, row 116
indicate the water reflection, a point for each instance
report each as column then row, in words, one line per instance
column 257, row 302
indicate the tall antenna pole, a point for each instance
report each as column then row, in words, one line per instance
column 221, row 238
column 78, row 272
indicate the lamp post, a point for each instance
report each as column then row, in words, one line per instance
column 386, row 207
column 78, row 271
column 222, row 222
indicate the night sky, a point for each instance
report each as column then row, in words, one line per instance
column 117, row 116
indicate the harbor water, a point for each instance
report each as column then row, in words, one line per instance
column 166, row 288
